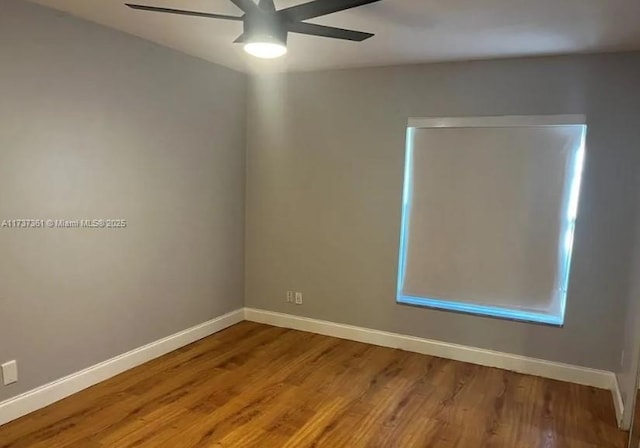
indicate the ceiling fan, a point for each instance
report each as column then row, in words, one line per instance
column 266, row 29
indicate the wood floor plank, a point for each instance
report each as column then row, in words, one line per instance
column 253, row 385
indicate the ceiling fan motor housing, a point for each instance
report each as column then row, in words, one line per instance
column 265, row 27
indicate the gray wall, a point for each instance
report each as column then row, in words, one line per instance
column 325, row 164
column 98, row 124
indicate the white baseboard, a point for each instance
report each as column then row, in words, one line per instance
column 618, row 403
column 521, row 364
column 40, row 397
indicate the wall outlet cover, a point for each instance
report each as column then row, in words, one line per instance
column 10, row 372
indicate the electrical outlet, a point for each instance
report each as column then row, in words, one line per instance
column 10, row 372
column 289, row 296
column 298, row 298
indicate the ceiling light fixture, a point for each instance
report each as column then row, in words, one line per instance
column 265, row 50
column 264, row 37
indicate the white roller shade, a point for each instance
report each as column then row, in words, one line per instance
column 488, row 217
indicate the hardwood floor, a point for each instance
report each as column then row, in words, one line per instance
column 254, row 385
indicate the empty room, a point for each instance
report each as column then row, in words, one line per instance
column 319, row 223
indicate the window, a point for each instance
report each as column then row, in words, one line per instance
column 489, row 212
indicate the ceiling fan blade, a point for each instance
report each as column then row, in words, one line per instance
column 267, row 5
column 240, row 39
column 183, row 13
column 327, row 31
column 319, row 8
column 246, row 5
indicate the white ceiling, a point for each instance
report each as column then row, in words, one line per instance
column 407, row 31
